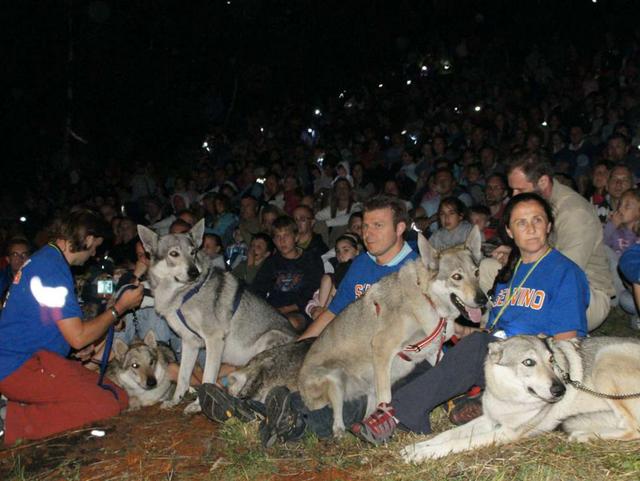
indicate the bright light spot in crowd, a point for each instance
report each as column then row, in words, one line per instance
column 408, row 82
column 317, row 112
column 404, row 132
column 477, row 108
column 380, row 86
column 205, row 145
column 261, row 129
column 228, row 2
column 594, row 1
column 54, row 297
column 98, row 433
column 544, row 123
column 23, row 219
column 341, row 96
column 424, row 68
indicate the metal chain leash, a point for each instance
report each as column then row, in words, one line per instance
column 566, row 378
column 578, row 385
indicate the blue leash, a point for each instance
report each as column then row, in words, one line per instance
column 105, row 360
column 107, row 348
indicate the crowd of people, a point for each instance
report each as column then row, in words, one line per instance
column 310, row 204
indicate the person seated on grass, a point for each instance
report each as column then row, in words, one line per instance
column 348, row 246
column 260, row 249
column 46, row 392
column 288, row 279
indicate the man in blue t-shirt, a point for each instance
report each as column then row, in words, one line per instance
column 384, row 222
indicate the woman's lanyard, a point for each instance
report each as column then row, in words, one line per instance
column 510, row 296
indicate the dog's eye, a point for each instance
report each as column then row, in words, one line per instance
column 135, row 365
column 456, row 277
column 194, row 252
column 529, row 362
column 477, row 273
column 151, row 363
column 174, row 254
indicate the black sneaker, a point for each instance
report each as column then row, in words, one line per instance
column 282, row 422
column 218, row 405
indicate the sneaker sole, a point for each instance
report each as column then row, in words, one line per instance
column 220, row 406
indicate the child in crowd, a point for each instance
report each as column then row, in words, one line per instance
column 454, row 228
column 348, row 246
column 479, row 215
column 260, row 248
column 621, row 231
column 236, row 252
column 288, row 279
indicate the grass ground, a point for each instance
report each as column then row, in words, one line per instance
column 159, row 445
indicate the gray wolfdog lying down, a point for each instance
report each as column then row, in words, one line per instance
column 141, row 370
column 534, row 385
column 372, row 343
column 207, row 308
column 278, row 366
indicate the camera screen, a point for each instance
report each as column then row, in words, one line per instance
column 105, row 287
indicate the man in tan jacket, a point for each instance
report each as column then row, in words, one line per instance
column 577, row 232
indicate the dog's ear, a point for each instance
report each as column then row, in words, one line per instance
column 149, row 239
column 197, row 232
column 150, row 339
column 474, row 243
column 120, row 349
column 428, row 254
column 495, row 352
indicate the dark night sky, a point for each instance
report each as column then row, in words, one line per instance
column 145, row 73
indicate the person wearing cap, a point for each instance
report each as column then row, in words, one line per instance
column 41, row 321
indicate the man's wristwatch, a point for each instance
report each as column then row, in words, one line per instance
column 114, row 313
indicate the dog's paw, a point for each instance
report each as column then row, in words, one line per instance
column 193, row 408
column 581, row 436
column 169, row 403
column 338, row 432
column 416, row 453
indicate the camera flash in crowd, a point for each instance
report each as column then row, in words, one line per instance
column 477, row 108
column 262, row 129
column 23, row 219
column 380, row 85
column 408, row 82
column 317, row 112
column 404, row 132
column 424, row 68
column 544, row 123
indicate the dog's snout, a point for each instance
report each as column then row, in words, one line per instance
column 193, row 272
column 557, row 389
column 151, row 382
column 481, row 298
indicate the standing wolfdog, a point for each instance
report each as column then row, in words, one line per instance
column 380, row 338
column 207, row 308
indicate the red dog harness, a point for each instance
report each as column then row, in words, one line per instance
column 439, row 331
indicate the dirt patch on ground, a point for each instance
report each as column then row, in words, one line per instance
column 150, row 444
